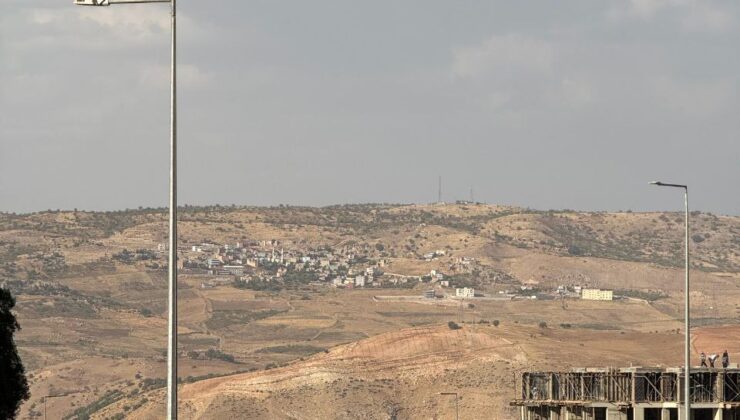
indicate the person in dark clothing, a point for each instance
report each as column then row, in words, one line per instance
column 725, row 359
column 703, row 358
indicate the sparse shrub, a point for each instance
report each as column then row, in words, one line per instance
column 543, row 324
column 650, row 295
column 574, row 250
column 218, row 354
column 565, row 325
column 453, row 325
column 496, row 322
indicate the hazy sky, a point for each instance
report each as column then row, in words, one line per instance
column 547, row 104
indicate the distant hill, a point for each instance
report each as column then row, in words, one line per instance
column 92, row 289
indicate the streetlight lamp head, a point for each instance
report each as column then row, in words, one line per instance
column 92, row 2
column 656, row 183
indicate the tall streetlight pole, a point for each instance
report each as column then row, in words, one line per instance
column 46, row 397
column 172, row 260
column 687, row 318
column 457, row 411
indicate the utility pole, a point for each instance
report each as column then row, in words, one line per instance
column 462, row 311
column 457, row 409
column 47, row 397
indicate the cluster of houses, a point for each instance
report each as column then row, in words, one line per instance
column 349, row 266
column 267, row 261
column 431, row 256
column 585, row 293
column 533, row 292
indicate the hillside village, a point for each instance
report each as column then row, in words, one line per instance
column 268, row 265
column 255, row 263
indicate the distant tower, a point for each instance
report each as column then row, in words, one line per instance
column 439, row 190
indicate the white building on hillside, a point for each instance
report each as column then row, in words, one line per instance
column 236, row 270
column 465, row 292
column 597, row 294
column 360, row 281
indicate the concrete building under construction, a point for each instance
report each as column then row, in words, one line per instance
column 633, row 393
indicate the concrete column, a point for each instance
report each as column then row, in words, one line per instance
column 665, row 414
column 581, row 414
column 719, row 387
column 681, row 416
column 719, row 414
column 638, row 413
column 572, row 413
column 551, row 387
column 567, row 413
column 555, row 413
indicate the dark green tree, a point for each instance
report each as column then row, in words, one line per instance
column 13, row 384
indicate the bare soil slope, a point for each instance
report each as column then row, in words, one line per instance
column 404, row 372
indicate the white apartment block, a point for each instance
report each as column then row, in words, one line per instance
column 597, row 294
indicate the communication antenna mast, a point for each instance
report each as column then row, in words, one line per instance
column 439, row 191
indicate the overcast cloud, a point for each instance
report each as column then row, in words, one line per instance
column 567, row 104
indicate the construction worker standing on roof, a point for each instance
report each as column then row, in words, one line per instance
column 725, row 359
column 703, row 358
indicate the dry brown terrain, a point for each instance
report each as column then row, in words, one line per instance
column 94, row 329
column 404, row 372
